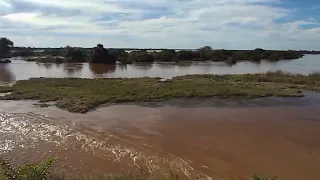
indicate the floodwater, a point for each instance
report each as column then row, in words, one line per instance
column 21, row 70
column 212, row 139
column 198, row 139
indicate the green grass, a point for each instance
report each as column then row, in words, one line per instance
column 82, row 95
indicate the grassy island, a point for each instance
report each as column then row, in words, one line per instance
column 82, row 95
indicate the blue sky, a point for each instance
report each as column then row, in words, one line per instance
column 228, row 24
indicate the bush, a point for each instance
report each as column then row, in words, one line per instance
column 274, row 57
column 166, row 55
column 27, row 171
column 140, row 56
column 240, row 55
column 100, row 55
column 188, row 55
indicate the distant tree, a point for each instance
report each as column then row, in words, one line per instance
column 100, row 55
column 5, row 47
column 259, row 50
column 205, row 48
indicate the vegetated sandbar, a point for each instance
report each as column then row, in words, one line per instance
column 82, row 95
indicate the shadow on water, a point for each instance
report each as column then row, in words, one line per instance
column 102, row 68
column 6, row 76
column 72, row 68
column 48, row 66
column 142, row 66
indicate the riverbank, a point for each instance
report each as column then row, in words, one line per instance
column 81, row 95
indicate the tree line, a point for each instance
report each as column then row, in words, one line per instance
column 101, row 55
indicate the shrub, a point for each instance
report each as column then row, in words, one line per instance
column 274, row 57
column 166, row 55
column 100, row 55
column 140, row 56
column 187, row 55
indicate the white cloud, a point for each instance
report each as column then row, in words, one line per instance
column 158, row 23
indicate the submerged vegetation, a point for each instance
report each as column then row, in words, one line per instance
column 82, row 95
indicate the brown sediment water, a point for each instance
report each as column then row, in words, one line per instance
column 206, row 142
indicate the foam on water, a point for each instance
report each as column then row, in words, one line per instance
column 28, row 130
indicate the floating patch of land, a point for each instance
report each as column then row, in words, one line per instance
column 82, row 95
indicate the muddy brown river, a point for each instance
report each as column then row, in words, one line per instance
column 204, row 139
column 198, row 139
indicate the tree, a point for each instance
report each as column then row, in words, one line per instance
column 205, row 53
column 205, row 48
column 5, row 46
column 100, row 55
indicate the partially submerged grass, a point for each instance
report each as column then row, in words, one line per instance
column 82, row 95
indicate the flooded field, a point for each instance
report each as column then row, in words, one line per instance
column 199, row 139
column 20, row 70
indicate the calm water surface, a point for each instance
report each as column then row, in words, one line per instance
column 21, row 70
